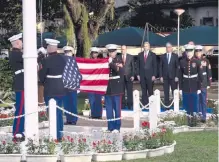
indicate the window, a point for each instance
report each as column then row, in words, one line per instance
column 209, row 21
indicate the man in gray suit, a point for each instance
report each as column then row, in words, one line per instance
column 128, row 67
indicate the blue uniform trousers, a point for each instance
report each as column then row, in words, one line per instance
column 190, row 102
column 113, row 103
column 95, row 101
column 203, row 103
column 59, row 121
column 18, row 125
column 70, row 104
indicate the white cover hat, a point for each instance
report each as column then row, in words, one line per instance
column 52, row 42
column 41, row 49
column 15, row 37
column 68, row 48
column 198, row 47
column 94, row 49
column 189, row 47
column 111, row 46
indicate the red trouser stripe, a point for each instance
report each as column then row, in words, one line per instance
column 20, row 112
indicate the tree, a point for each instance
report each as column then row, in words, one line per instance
column 151, row 11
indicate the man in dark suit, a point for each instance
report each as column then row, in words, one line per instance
column 169, row 71
column 146, row 71
column 128, row 67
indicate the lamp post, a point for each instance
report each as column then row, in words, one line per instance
column 178, row 12
column 30, row 69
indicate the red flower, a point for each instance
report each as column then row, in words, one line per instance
column 109, row 142
column 72, row 140
column 163, row 130
column 3, row 142
column 145, row 124
column 79, row 140
column 84, row 139
column 154, row 134
column 94, row 144
column 42, row 113
column 56, row 141
column 68, row 137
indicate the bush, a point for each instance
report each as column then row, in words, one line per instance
column 6, row 76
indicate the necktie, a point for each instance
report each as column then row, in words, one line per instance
column 145, row 57
column 168, row 55
column 123, row 58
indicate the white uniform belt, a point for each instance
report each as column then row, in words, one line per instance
column 204, row 73
column 19, row 71
column 114, row 77
column 190, row 76
column 54, row 76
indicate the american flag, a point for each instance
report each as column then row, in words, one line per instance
column 95, row 75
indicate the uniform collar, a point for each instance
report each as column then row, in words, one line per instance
column 53, row 53
column 16, row 49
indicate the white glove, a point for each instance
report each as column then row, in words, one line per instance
column 199, row 91
column 78, row 91
column 161, row 79
column 180, row 92
column 110, row 59
column 208, row 87
column 138, row 77
column 176, row 79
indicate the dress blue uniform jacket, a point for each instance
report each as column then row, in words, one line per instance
column 16, row 62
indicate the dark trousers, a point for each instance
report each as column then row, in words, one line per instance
column 190, row 102
column 95, row 101
column 147, row 89
column 166, row 86
column 128, row 87
column 203, row 103
column 18, row 125
column 59, row 121
column 70, row 104
column 113, row 106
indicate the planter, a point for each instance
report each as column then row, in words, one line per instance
column 10, row 157
column 195, row 129
column 185, row 128
column 86, row 112
column 130, row 155
column 156, row 152
column 7, row 129
column 169, row 149
column 78, row 158
column 115, row 156
column 41, row 158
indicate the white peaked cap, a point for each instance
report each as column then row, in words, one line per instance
column 111, row 46
column 68, row 48
column 189, row 47
column 52, row 42
column 198, row 47
column 94, row 49
column 41, row 49
column 15, row 37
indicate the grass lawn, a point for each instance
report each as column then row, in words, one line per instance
column 191, row 147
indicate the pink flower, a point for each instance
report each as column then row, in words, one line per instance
column 109, row 142
column 3, row 142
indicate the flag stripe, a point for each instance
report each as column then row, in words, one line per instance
column 95, row 75
column 94, row 71
column 94, row 82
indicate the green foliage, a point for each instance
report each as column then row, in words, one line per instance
column 167, row 138
column 69, row 27
column 6, row 76
column 85, row 34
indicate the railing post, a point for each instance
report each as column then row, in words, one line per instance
column 153, row 112
column 176, row 100
column 52, row 119
column 157, row 95
column 136, row 108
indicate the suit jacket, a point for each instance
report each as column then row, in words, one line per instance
column 149, row 68
column 169, row 70
column 128, row 66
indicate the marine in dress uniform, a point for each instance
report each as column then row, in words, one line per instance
column 113, row 97
column 95, row 100
column 206, row 68
column 70, row 99
column 51, row 77
column 41, row 56
column 190, row 78
column 16, row 62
